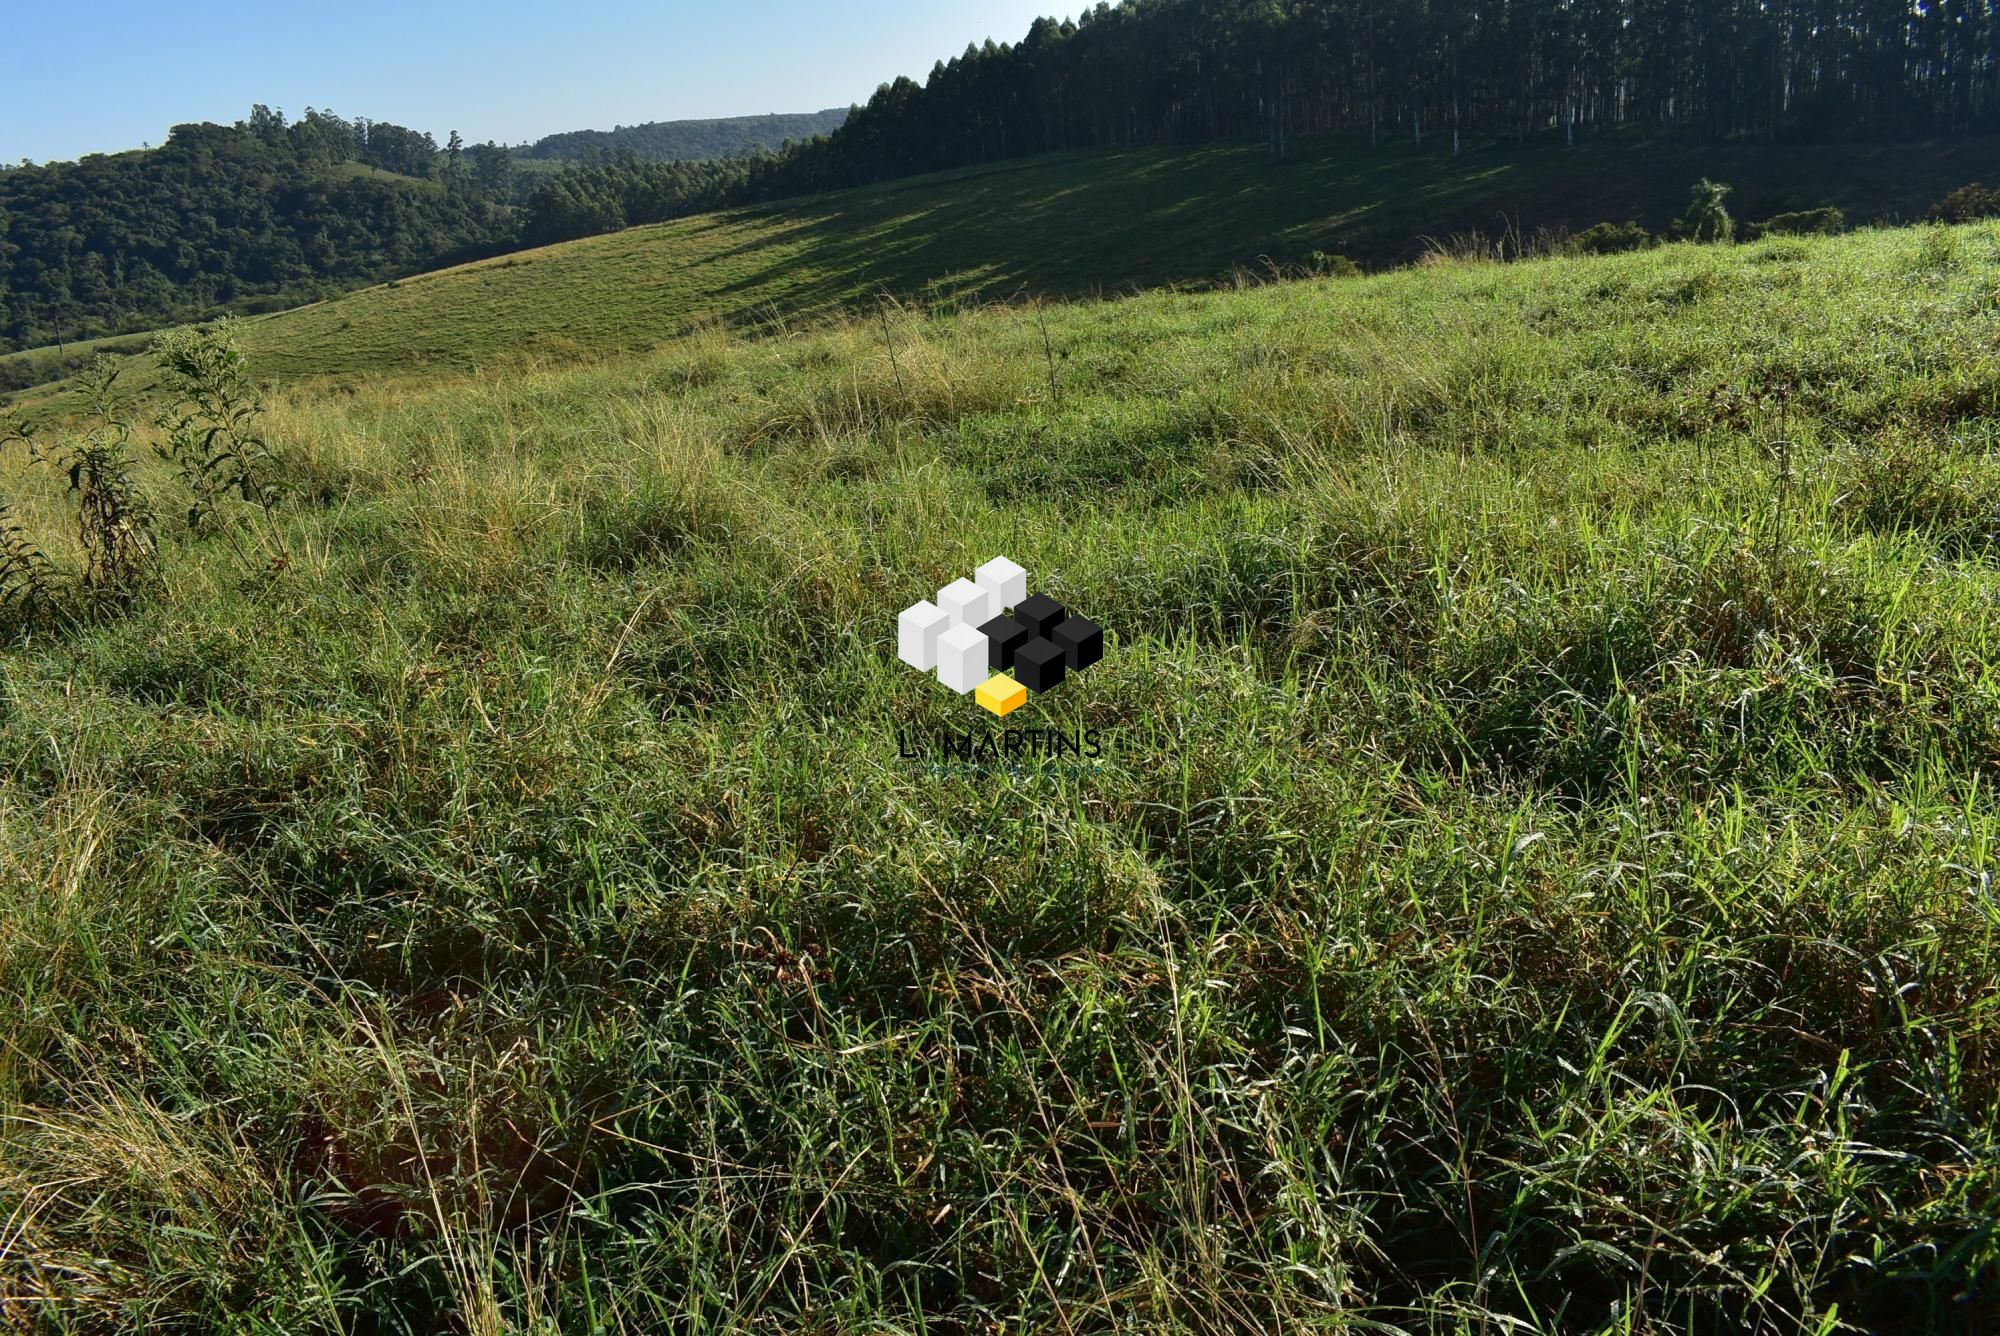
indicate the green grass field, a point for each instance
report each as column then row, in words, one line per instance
column 1066, row 225
column 1539, row 875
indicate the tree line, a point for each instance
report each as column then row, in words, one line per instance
column 1185, row 71
column 686, row 141
column 1193, row 71
column 609, row 192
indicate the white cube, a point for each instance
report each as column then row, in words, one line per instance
column 967, row 604
column 961, row 659
column 1007, row 582
column 917, row 632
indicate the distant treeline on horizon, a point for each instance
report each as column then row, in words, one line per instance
column 686, row 141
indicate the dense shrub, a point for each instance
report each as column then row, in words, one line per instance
column 1706, row 219
column 1967, row 204
column 1824, row 221
column 1323, row 265
column 1611, row 238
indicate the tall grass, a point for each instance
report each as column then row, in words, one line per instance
column 1538, row 878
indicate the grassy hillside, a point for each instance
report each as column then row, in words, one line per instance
column 1539, row 866
column 1064, row 225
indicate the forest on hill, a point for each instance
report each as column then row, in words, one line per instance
column 263, row 214
column 686, row 141
column 1149, row 72
column 269, row 213
column 1182, row 71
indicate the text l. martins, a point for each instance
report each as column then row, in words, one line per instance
column 1010, row 744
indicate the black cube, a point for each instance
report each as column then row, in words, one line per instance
column 1039, row 613
column 1081, row 640
column 1004, row 636
column 1039, row 665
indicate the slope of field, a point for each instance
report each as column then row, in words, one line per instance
column 1532, row 868
column 1061, row 225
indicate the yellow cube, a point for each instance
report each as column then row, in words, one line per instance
column 1001, row 694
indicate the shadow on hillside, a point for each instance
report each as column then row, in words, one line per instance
column 1081, row 224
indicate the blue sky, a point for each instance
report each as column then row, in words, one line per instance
column 85, row 78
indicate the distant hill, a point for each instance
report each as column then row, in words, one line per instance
column 256, row 216
column 269, row 214
column 688, row 141
column 1064, row 224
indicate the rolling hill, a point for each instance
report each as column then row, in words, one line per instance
column 1524, row 862
column 1060, row 225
